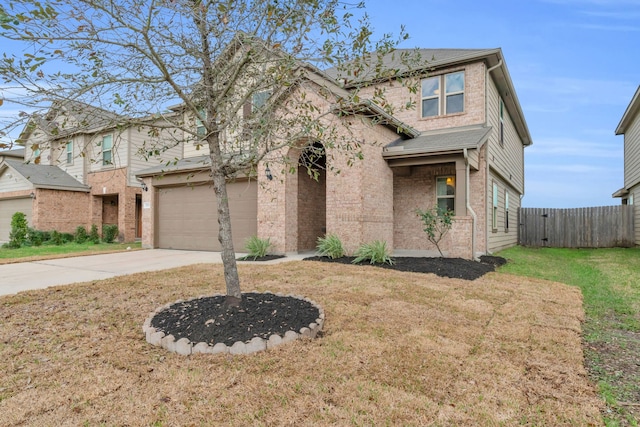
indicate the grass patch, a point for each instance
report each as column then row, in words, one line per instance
column 57, row 251
column 397, row 348
column 610, row 283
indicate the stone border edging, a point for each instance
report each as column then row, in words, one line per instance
column 185, row 347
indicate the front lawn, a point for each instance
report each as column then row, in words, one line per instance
column 31, row 253
column 610, row 283
column 398, row 348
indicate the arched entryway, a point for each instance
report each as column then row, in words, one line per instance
column 312, row 196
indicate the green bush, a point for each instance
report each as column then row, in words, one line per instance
column 330, row 246
column 375, row 252
column 94, row 237
column 35, row 237
column 109, row 233
column 81, row 235
column 256, row 247
column 57, row 238
column 437, row 222
column 19, row 230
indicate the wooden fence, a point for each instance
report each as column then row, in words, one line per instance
column 597, row 227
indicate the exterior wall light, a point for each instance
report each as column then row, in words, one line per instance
column 267, row 172
column 32, row 195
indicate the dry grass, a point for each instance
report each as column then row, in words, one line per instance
column 397, row 349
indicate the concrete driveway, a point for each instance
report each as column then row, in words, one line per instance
column 41, row 274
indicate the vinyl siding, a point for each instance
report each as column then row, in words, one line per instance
column 138, row 139
column 508, row 159
column 501, row 238
column 635, row 192
column 76, row 168
column 632, row 154
column 11, row 181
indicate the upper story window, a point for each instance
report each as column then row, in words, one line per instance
column 69, row 152
column 446, row 192
column 506, row 210
column 36, row 156
column 259, row 100
column 501, row 123
column 107, row 150
column 201, row 130
column 435, row 102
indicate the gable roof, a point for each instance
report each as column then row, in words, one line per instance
column 45, row 176
column 69, row 117
column 629, row 114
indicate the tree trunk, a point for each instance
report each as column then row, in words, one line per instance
column 231, row 278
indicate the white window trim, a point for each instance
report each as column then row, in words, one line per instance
column 69, row 153
column 110, row 151
column 494, row 212
column 506, row 210
column 446, row 196
column 443, row 95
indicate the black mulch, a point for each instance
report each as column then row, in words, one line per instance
column 456, row 268
column 208, row 320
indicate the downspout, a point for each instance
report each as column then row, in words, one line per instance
column 486, row 115
column 474, row 218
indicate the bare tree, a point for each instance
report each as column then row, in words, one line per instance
column 243, row 77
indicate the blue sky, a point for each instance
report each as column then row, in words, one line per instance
column 575, row 65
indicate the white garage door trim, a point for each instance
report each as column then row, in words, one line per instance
column 187, row 216
column 9, row 207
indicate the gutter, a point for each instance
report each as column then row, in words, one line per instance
column 474, row 217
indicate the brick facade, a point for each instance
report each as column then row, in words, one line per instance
column 60, row 210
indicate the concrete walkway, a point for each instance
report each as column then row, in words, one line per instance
column 24, row 276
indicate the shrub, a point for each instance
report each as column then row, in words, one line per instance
column 19, row 230
column 375, row 252
column 330, row 246
column 437, row 222
column 256, row 247
column 56, row 238
column 94, row 237
column 109, row 233
column 81, row 235
column 35, row 237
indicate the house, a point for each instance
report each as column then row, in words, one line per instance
column 629, row 126
column 77, row 168
column 462, row 149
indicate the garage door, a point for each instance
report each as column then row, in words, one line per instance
column 187, row 216
column 7, row 209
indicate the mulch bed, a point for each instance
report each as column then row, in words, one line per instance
column 455, row 268
column 209, row 320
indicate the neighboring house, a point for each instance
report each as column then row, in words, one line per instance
column 629, row 126
column 77, row 169
column 462, row 148
column 15, row 153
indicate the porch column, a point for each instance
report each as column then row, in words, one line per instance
column 461, row 188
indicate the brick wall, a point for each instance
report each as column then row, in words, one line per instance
column 109, row 186
column 60, row 210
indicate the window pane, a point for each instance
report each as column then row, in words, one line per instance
column 106, row 143
column 455, row 103
column 430, row 87
column 446, row 186
column 260, row 99
column 106, row 157
column 429, row 107
column 454, row 82
column 446, row 204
